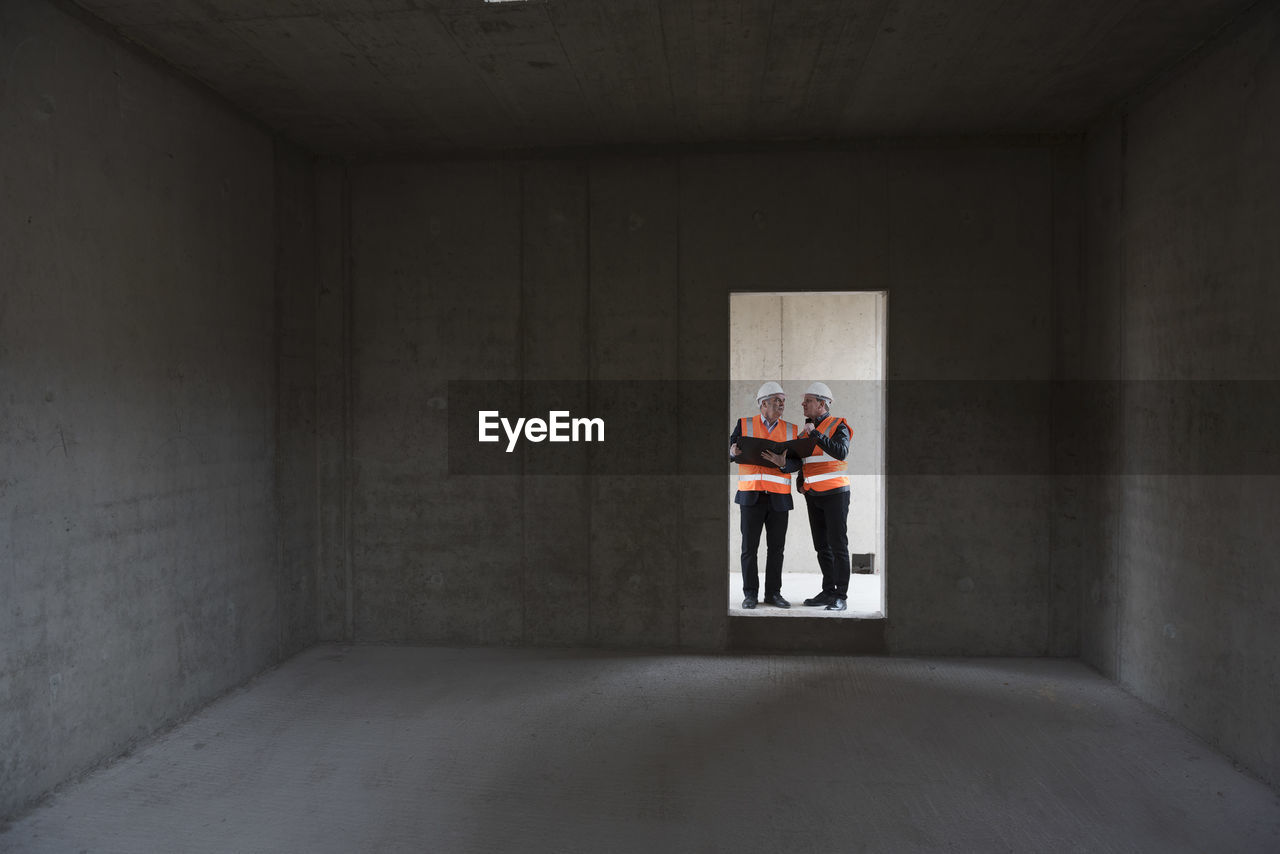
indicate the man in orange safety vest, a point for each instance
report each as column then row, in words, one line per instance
column 824, row 481
column 764, row 496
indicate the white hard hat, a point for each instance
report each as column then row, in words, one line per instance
column 820, row 390
column 768, row 390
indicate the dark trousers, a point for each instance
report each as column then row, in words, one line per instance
column 829, row 524
column 755, row 518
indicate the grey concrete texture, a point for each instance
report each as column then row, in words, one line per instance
column 296, row 445
column 410, row 337
column 555, row 288
column 225, row 366
column 333, row 396
column 1067, row 554
column 394, row 76
column 479, row 750
column 634, row 284
column 1179, row 597
column 143, row 569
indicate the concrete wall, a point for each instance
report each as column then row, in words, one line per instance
column 225, row 375
column 620, row 268
column 1180, row 600
column 141, row 571
column 296, row 405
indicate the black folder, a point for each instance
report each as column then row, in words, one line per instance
column 751, row 446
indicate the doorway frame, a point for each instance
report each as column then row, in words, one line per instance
column 739, row 636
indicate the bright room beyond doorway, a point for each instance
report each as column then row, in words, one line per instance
column 796, row 338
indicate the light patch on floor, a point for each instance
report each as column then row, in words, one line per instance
column 863, row 602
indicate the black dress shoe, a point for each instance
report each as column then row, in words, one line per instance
column 749, row 602
column 823, row 598
column 836, row 605
column 776, row 601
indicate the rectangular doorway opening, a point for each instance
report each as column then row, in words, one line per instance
column 796, row 339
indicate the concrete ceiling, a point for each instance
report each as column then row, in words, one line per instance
column 425, row 76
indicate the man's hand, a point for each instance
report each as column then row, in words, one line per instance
column 778, row 460
column 734, row 451
column 806, row 428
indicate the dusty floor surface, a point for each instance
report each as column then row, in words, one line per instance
column 383, row 749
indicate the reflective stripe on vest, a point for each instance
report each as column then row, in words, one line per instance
column 822, row 472
column 771, row 478
column 765, row 478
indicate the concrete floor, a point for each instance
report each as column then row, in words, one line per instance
column 382, row 749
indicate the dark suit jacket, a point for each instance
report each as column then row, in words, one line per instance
column 779, row 501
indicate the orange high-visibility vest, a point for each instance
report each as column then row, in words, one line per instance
column 765, row 478
column 822, row 472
